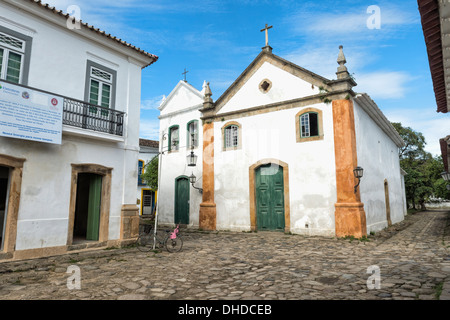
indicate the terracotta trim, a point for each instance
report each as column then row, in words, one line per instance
column 320, row 123
column 287, row 207
column 106, row 173
column 350, row 218
column 208, row 214
column 12, row 211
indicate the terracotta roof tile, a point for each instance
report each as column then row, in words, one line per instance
column 148, row 143
column 97, row 30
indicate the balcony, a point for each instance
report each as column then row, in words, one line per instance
column 80, row 114
column 88, row 116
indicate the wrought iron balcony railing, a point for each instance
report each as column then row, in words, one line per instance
column 88, row 116
column 84, row 115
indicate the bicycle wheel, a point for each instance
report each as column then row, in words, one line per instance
column 174, row 245
column 145, row 242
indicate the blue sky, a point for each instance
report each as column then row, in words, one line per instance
column 215, row 40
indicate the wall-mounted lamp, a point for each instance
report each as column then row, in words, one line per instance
column 358, row 172
column 193, row 179
column 445, row 176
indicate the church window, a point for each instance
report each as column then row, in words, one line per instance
column 265, row 86
column 192, row 136
column 174, row 138
column 309, row 126
column 232, row 136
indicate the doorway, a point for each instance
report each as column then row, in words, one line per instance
column 87, row 208
column 388, row 205
column 182, row 200
column 269, row 191
column 148, row 202
column 4, row 187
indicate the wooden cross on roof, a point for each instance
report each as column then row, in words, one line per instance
column 184, row 73
column 266, row 29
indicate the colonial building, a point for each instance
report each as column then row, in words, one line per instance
column 69, row 133
column 277, row 151
column 435, row 17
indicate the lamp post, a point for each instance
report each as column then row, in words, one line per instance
column 445, row 176
column 358, row 172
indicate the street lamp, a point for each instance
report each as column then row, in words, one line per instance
column 193, row 179
column 358, row 172
column 192, row 158
column 445, row 176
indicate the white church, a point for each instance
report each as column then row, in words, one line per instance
column 283, row 149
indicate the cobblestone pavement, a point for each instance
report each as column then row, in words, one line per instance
column 411, row 260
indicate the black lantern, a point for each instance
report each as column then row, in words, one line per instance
column 192, row 159
column 358, row 172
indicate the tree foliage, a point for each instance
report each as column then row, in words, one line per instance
column 150, row 175
column 423, row 171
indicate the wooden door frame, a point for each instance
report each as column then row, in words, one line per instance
column 252, row 174
column 106, row 174
column 388, row 203
column 15, row 166
column 175, row 198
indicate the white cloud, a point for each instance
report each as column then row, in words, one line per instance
column 149, row 128
column 152, row 103
column 383, row 84
column 431, row 124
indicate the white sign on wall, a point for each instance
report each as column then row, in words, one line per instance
column 30, row 115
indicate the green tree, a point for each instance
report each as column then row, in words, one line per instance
column 150, row 175
column 423, row 178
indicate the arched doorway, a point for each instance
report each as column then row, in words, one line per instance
column 269, row 196
column 182, row 196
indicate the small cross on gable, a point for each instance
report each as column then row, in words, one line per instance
column 266, row 29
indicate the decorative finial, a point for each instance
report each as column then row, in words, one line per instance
column 342, row 69
column 208, row 94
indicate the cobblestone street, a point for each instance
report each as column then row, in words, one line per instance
column 412, row 259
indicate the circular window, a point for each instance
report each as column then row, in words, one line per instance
column 265, row 86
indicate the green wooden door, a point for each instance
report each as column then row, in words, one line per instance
column 182, row 200
column 94, row 203
column 269, row 186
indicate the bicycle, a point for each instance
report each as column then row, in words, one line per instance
column 172, row 241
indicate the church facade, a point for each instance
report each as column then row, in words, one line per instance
column 277, row 151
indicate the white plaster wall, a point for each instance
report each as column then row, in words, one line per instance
column 180, row 108
column 174, row 165
column 285, row 86
column 45, row 195
column 378, row 155
column 58, row 64
column 312, row 182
